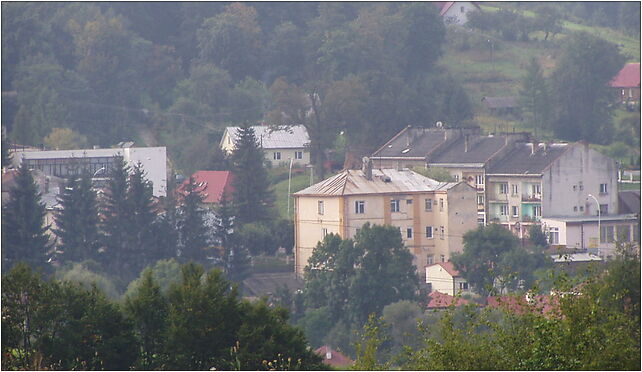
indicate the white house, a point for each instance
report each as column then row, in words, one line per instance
column 443, row 277
column 280, row 144
column 455, row 12
column 62, row 163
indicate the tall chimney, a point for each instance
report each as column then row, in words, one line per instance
column 367, row 168
column 466, row 143
column 534, row 146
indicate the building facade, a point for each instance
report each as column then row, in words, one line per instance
column 444, row 278
column 431, row 216
column 279, row 144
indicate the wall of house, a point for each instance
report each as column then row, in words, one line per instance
column 309, row 225
column 577, row 173
column 524, row 198
column 440, row 280
column 285, row 156
column 462, row 216
column 455, row 15
column 154, row 161
column 586, row 235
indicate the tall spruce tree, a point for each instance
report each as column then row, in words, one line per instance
column 252, row 195
column 142, row 248
column 115, row 217
column 24, row 236
column 535, row 97
column 191, row 224
column 234, row 256
column 77, row 222
column 166, row 225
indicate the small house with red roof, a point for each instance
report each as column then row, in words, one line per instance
column 440, row 300
column 211, row 185
column 333, row 358
column 627, row 83
column 444, row 278
column 543, row 304
column 455, row 12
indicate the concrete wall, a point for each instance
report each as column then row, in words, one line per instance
column 585, row 169
column 462, row 216
column 454, row 15
column 154, row 161
column 286, row 154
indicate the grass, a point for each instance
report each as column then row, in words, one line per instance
column 281, row 192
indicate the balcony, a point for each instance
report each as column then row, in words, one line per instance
column 498, row 218
column 532, row 198
column 530, row 218
column 498, row 197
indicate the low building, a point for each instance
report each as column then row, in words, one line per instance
column 626, row 83
column 595, row 234
column 431, row 216
column 501, row 105
column 64, row 163
column 455, row 12
column 211, row 185
column 575, row 262
column 280, row 144
column 333, row 358
column 444, row 278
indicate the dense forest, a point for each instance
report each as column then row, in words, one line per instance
column 175, row 74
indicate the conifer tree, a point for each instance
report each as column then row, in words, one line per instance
column 191, row 225
column 24, row 236
column 166, row 225
column 235, row 257
column 115, row 213
column 252, row 195
column 6, row 158
column 77, row 222
column 142, row 250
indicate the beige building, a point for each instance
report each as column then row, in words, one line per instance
column 444, row 278
column 279, row 144
column 431, row 216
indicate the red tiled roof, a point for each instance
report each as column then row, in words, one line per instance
column 628, row 77
column 440, row 300
column 211, row 185
column 337, row 359
column 449, row 267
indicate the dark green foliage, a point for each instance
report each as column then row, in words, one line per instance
column 257, row 238
column 355, row 279
column 235, row 257
column 494, row 260
column 142, row 216
column 424, row 39
column 166, row 225
column 505, row 23
column 191, row 225
column 115, row 218
column 77, row 221
column 581, row 91
column 24, row 234
column 252, row 194
column 6, row 157
column 537, row 237
column 535, row 97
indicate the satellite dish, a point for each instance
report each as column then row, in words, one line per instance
column 439, row 124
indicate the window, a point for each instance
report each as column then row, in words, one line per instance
column 606, row 234
column 408, row 201
column 429, row 232
column 574, row 187
column 575, row 208
column 324, row 232
column 456, row 177
column 441, row 204
column 480, row 199
column 623, row 233
column 298, row 154
column 359, row 207
column 537, row 189
column 603, row 188
column 479, row 179
column 513, row 189
column 443, row 258
column 409, row 233
column 554, row 235
column 394, row 205
column 515, row 211
column 442, row 232
column 320, row 207
column 276, row 156
column 503, row 188
column 537, row 210
column 503, row 209
column 604, row 209
column 461, row 9
column 463, row 286
column 581, row 185
column 428, row 205
column 431, row 259
column 581, row 208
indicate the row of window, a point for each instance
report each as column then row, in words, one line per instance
column 503, row 210
column 297, row 155
column 536, row 189
column 431, row 259
column 429, row 232
column 360, row 205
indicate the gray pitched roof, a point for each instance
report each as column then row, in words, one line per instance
column 412, row 142
column 521, row 160
column 629, row 201
column 480, row 150
column 384, row 181
column 295, row 136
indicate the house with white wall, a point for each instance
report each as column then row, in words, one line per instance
column 279, row 144
column 455, row 12
column 444, row 278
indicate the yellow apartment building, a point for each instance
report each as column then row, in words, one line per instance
column 432, row 216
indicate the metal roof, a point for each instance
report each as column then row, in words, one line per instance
column 412, row 142
column 575, row 257
column 629, row 201
column 480, row 150
column 522, row 160
column 81, row 153
column 384, row 181
column 283, row 137
column 603, row 218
